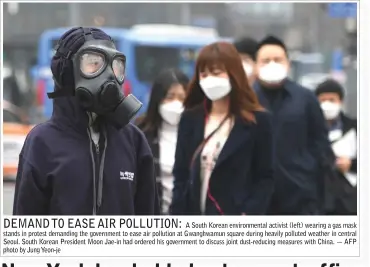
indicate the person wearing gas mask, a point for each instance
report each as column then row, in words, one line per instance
column 224, row 154
column 87, row 159
column 343, row 138
column 247, row 50
column 160, row 124
column 300, row 133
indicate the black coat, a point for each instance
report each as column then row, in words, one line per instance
column 152, row 138
column 349, row 124
column 340, row 196
column 301, row 141
column 242, row 179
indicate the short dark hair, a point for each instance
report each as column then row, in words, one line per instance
column 247, row 46
column 330, row 86
column 271, row 40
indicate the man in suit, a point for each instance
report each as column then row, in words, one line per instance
column 300, row 133
column 342, row 192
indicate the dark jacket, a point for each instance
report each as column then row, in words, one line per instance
column 153, row 141
column 301, row 142
column 341, row 196
column 242, row 180
column 350, row 124
column 56, row 168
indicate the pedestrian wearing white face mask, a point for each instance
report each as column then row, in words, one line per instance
column 223, row 163
column 160, row 124
column 300, row 133
column 343, row 138
column 247, row 51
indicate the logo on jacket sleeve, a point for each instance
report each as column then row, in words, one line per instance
column 127, row 176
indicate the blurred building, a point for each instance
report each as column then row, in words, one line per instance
column 308, row 22
column 305, row 27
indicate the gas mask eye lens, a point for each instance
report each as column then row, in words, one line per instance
column 118, row 66
column 91, row 63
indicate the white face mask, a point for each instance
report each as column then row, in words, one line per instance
column 171, row 111
column 215, row 88
column 248, row 69
column 273, row 72
column 331, row 110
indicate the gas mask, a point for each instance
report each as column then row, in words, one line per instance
column 99, row 72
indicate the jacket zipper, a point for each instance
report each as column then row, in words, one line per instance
column 92, row 157
column 97, row 168
column 95, row 160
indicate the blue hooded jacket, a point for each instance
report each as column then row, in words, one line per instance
column 56, row 170
column 62, row 172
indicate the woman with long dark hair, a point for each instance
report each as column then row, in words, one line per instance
column 160, row 127
column 224, row 155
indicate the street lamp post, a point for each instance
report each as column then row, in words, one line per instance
column 74, row 14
